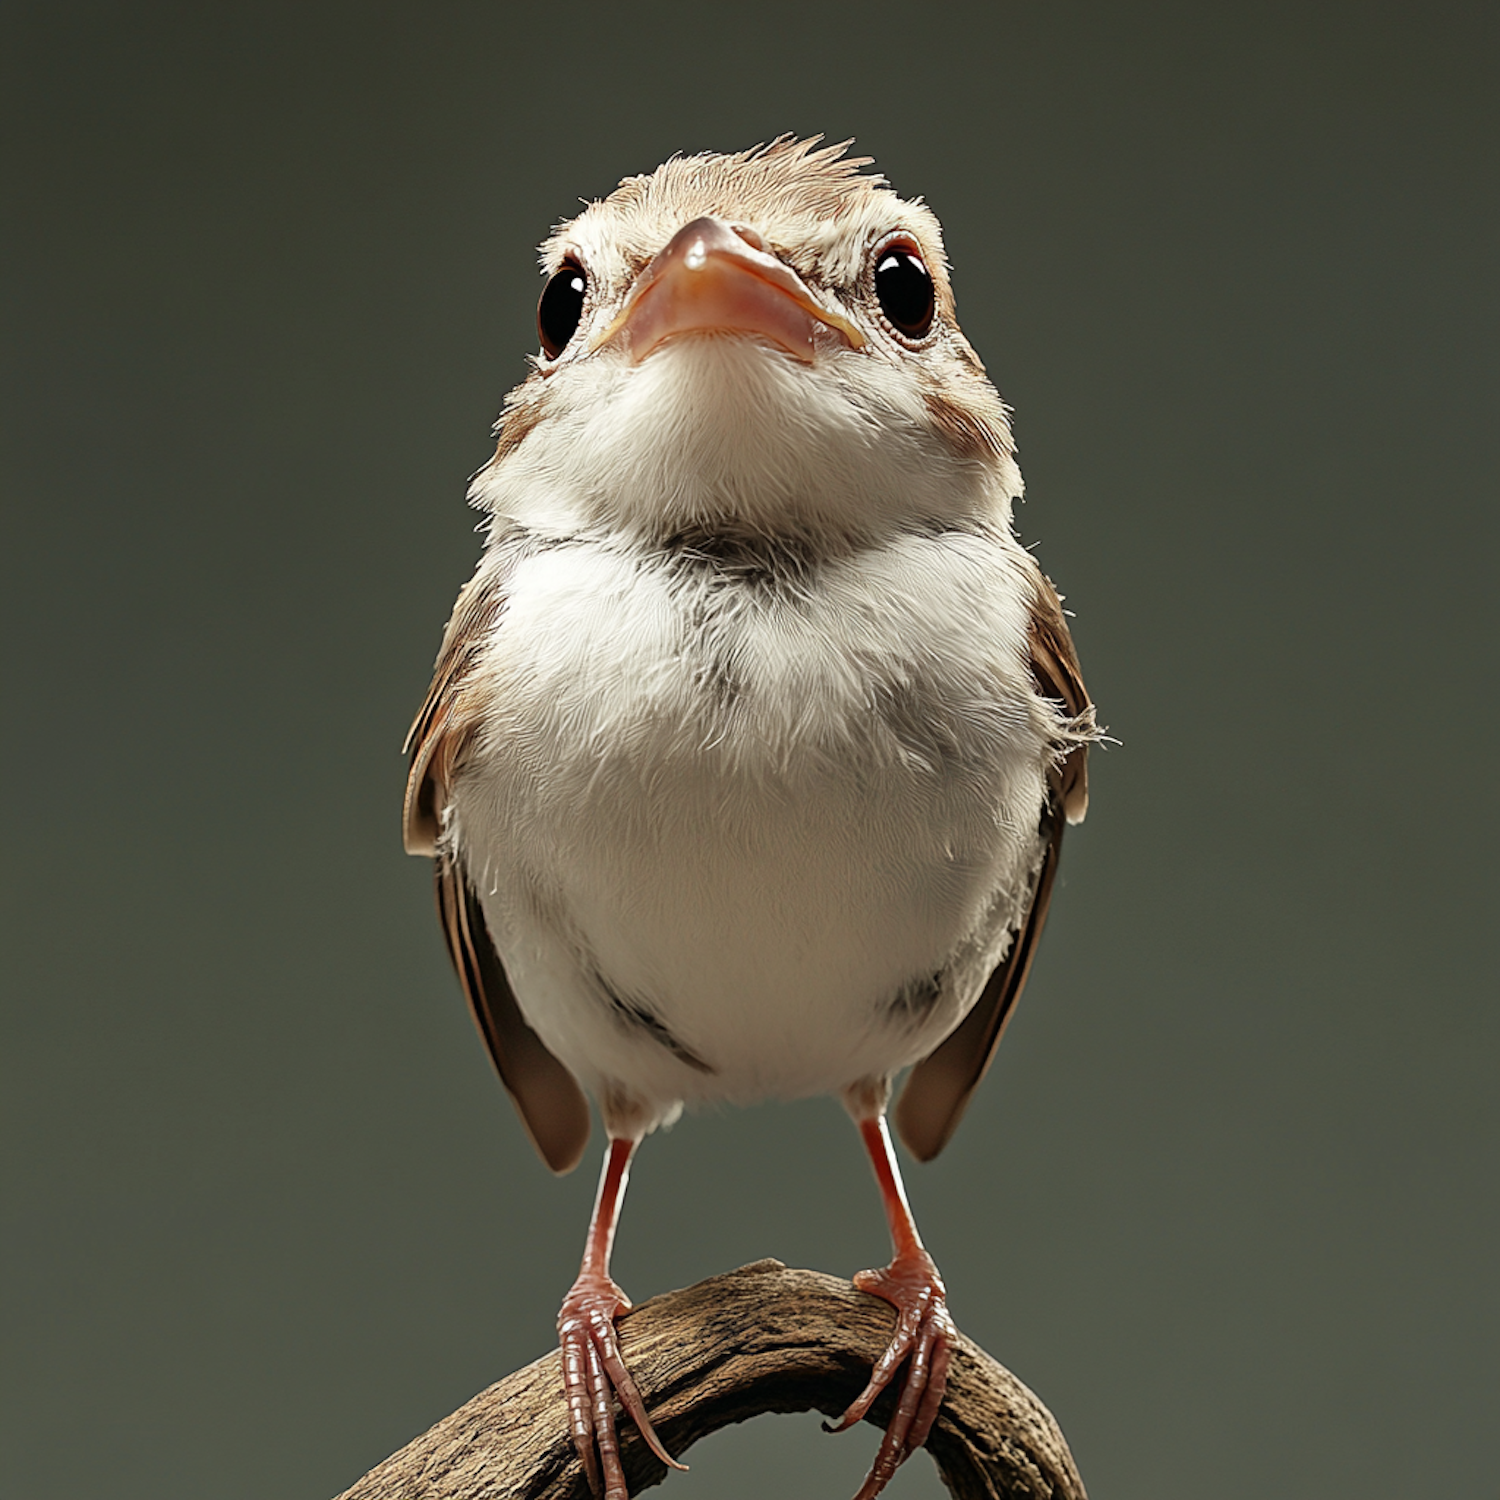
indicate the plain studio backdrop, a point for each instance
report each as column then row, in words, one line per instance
column 1227, row 1199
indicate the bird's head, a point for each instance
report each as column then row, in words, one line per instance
column 766, row 341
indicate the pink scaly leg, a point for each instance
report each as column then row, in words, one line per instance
column 924, row 1331
column 594, row 1372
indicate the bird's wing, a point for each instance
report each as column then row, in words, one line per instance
column 938, row 1088
column 547, row 1096
column 1054, row 666
column 449, row 715
column 550, row 1102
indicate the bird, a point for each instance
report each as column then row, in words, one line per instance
column 750, row 744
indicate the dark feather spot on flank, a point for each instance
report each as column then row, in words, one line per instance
column 916, row 997
column 633, row 1016
column 718, row 679
column 930, row 735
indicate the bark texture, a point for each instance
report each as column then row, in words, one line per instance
column 760, row 1339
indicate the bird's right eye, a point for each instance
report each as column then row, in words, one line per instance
column 561, row 307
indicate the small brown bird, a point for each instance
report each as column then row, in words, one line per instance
column 750, row 745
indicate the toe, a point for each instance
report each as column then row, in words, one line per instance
column 594, row 1374
column 924, row 1339
column 618, row 1374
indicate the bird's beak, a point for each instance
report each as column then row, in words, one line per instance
column 712, row 278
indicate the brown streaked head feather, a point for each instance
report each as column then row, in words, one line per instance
column 786, row 173
column 784, row 179
column 817, row 209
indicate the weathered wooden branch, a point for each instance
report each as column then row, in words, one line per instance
column 760, row 1339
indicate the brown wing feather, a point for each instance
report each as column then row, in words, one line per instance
column 550, row 1103
column 938, row 1089
column 1054, row 665
column 442, row 727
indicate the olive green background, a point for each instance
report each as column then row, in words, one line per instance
column 1227, row 1200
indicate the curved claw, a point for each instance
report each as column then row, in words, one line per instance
column 594, row 1373
column 925, row 1335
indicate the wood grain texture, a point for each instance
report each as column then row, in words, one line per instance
column 760, row 1339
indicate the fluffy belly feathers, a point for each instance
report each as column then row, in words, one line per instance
column 736, row 839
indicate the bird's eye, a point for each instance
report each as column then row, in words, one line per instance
column 561, row 307
column 904, row 290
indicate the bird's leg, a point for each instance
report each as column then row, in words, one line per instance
column 924, row 1330
column 594, row 1372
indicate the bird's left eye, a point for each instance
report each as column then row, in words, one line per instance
column 903, row 288
column 561, row 307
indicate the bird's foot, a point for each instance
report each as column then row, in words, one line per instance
column 924, row 1333
column 594, row 1373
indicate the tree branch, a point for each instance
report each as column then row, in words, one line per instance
column 760, row 1339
